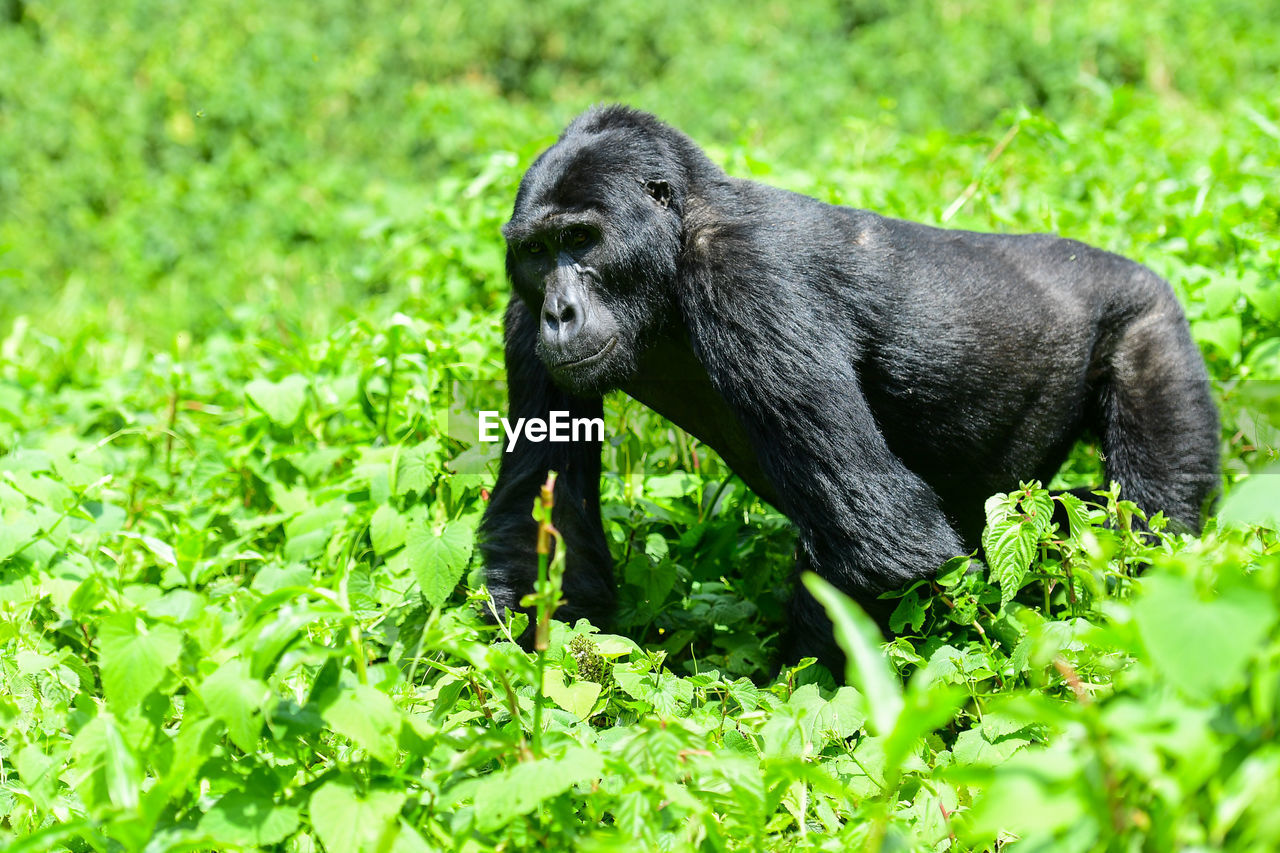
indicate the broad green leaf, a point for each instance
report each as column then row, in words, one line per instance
column 387, row 529
column 865, row 664
column 909, row 612
column 926, row 707
column 39, row 774
column 1222, row 333
column 417, row 467
column 1256, row 500
column 1263, row 292
column 578, row 697
column 745, row 693
column 613, row 645
column 367, row 716
column 354, row 820
column 972, row 748
column 518, row 789
column 133, row 658
column 1263, row 361
column 842, row 715
column 1034, row 793
column 310, row 532
column 438, row 557
column 281, row 401
column 241, row 819
column 671, row 696
column 1200, row 646
column 123, row 770
column 234, row 697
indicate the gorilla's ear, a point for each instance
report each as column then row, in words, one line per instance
column 660, row 190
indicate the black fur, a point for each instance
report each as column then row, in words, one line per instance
column 874, row 379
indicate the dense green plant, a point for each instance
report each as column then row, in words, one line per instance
column 250, row 293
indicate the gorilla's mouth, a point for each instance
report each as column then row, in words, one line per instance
column 587, row 360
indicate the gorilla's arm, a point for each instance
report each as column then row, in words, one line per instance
column 508, row 532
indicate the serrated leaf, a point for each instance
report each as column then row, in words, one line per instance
column 133, row 658
column 281, row 401
column 1009, row 557
column 1222, row 333
column 671, row 696
column 518, row 789
column 842, row 715
column 438, row 558
column 1014, row 526
column 417, row 467
column 1077, row 514
column 745, row 693
column 352, row 820
column 39, row 774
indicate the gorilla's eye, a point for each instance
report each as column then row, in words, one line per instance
column 576, row 237
column 533, row 247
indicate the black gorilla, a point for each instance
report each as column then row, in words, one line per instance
column 874, row 379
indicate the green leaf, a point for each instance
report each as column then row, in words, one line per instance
column 1200, row 646
column 927, row 707
column 417, row 467
column 234, row 697
column 1222, row 333
column 310, row 532
column 1255, row 500
column 133, row 658
column 353, row 820
column 1015, row 523
column 1263, row 292
column 518, row 789
column 438, row 557
column 241, row 819
column 281, row 401
column 578, row 697
column 123, row 770
column 387, row 529
column 865, row 666
column 972, row 748
column 39, row 774
column 669, row 695
column 367, row 716
column 1077, row 514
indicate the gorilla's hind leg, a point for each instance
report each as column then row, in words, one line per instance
column 1156, row 418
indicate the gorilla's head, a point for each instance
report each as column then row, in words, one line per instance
column 593, row 243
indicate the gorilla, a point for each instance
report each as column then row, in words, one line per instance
column 874, row 379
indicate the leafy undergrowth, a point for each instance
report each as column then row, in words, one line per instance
column 230, row 621
column 250, row 294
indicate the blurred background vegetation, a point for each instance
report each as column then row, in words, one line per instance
column 174, row 167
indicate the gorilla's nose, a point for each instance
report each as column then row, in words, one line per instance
column 562, row 317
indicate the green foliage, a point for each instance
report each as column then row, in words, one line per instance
column 250, row 289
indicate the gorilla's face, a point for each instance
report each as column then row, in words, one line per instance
column 591, row 249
